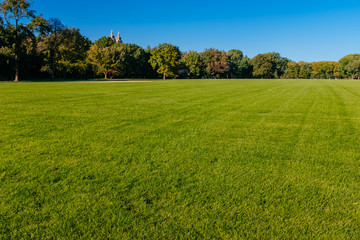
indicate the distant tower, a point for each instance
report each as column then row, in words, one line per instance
column 118, row 39
column 112, row 35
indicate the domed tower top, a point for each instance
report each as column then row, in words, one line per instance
column 118, row 39
column 112, row 35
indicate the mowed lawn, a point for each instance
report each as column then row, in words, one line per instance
column 180, row 159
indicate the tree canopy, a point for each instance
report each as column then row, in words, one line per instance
column 193, row 63
column 18, row 29
column 165, row 59
column 49, row 45
column 344, row 62
column 215, row 63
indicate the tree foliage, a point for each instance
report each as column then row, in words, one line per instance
column 49, row 45
column 120, row 59
column 72, row 52
column 245, row 68
column 325, row 70
column 353, row 68
column 37, row 47
column 262, row 66
column 193, row 63
column 215, row 63
column 104, row 42
column 18, row 29
column 165, row 59
column 103, row 59
column 293, row 70
column 344, row 62
column 133, row 60
column 305, row 70
column 234, row 58
column 269, row 65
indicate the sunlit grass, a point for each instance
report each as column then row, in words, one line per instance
column 189, row 159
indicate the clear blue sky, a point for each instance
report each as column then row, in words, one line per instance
column 300, row 30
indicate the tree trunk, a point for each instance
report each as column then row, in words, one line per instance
column 16, row 52
column 16, row 75
column 164, row 77
column 52, row 71
column 16, row 68
column 105, row 73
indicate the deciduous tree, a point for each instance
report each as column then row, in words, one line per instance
column 234, row 62
column 18, row 28
column 104, row 42
column 103, row 59
column 354, row 69
column 215, row 63
column 343, row 62
column 72, row 51
column 305, row 70
column 239, row 65
column 193, row 63
column 325, row 69
column 165, row 58
column 269, row 65
column 245, row 68
column 262, row 66
column 293, row 70
column 50, row 43
column 132, row 62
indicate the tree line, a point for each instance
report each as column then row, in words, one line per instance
column 33, row 47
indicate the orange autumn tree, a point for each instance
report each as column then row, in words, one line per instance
column 215, row 63
column 325, row 70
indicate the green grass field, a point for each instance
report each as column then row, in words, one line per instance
column 187, row 159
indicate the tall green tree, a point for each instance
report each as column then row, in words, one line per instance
column 104, row 42
column 18, row 28
column 269, row 65
column 2, row 32
column 305, row 70
column 279, row 64
column 239, row 65
column 132, row 62
column 262, row 66
column 293, row 70
column 193, row 63
column 346, row 60
column 354, row 69
column 50, row 43
column 73, row 50
column 3, row 50
column 121, row 59
column 245, row 68
column 150, row 72
column 234, row 62
column 105, row 60
column 165, row 59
